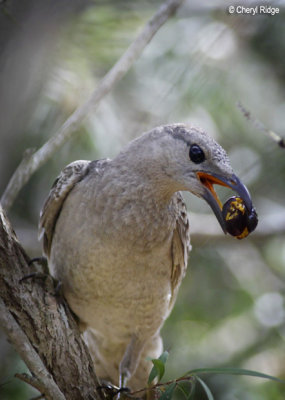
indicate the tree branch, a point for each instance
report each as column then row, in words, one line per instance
column 28, row 166
column 32, row 381
column 28, row 353
column 42, row 328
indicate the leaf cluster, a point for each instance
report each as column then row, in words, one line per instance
column 167, row 390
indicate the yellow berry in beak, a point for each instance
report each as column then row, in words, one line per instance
column 239, row 221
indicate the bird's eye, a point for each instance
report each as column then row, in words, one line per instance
column 196, row 154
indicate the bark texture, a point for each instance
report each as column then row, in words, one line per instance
column 41, row 326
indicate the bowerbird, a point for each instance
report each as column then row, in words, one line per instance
column 116, row 234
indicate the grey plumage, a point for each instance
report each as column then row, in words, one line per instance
column 116, row 234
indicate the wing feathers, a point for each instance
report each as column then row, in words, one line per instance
column 180, row 247
column 68, row 178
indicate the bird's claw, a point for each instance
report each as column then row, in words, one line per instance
column 114, row 391
column 43, row 275
column 42, row 261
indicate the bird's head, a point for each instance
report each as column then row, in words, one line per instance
column 191, row 160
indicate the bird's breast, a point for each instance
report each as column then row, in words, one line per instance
column 122, row 288
column 114, row 260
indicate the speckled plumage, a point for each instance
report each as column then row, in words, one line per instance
column 116, row 234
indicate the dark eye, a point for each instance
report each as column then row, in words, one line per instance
column 196, row 154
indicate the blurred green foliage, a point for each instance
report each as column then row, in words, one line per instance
column 230, row 310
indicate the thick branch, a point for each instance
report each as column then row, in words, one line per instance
column 29, row 166
column 41, row 327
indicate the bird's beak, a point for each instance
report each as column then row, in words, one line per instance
column 208, row 180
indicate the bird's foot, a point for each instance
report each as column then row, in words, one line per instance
column 43, row 275
column 114, row 391
column 41, row 261
column 124, row 392
column 39, row 273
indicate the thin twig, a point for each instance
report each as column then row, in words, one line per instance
column 162, row 384
column 259, row 125
column 28, row 166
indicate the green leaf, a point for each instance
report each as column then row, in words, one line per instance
column 192, row 391
column 189, row 390
column 206, row 388
column 158, row 368
column 164, row 357
column 168, row 393
column 182, row 389
column 233, row 371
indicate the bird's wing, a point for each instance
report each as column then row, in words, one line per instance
column 65, row 182
column 180, row 246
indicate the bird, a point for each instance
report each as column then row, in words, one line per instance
column 116, row 234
